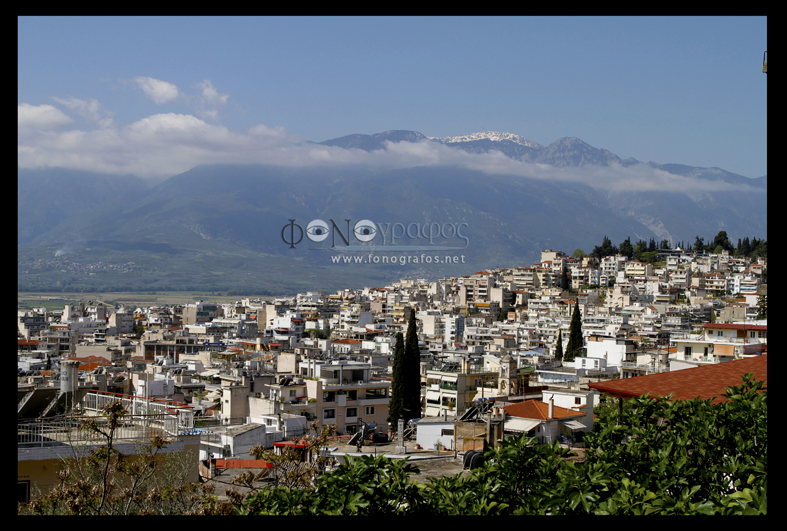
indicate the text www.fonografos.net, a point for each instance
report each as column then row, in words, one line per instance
column 401, row 259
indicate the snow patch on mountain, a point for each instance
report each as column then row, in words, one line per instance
column 495, row 136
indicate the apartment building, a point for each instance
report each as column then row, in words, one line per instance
column 451, row 389
column 719, row 342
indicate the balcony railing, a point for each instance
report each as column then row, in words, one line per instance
column 66, row 431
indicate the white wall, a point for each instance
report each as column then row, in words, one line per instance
column 429, row 434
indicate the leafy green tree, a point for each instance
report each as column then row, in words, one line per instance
column 762, row 306
column 759, row 248
column 289, row 468
column 364, row 485
column 573, row 349
column 660, row 457
column 722, row 240
column 639, row 249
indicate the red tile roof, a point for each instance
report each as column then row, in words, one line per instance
column 241, row 463
column 537, row 410
column 26, row 342
column 706, row 382
column 93, row 365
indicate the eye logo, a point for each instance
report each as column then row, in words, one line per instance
column 365, row 230
column 317, row 230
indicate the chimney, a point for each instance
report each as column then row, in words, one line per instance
column 551, row 413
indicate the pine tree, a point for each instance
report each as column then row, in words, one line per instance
column 626, row 249
column 395, row 403
column 574, row 336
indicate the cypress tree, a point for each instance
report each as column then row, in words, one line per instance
column 559, row 348
column 574, row 335
column 395, row 403
column 411, row 371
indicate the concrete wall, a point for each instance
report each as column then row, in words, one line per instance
column 38, row 467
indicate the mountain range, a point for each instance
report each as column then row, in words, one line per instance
column 224, row 226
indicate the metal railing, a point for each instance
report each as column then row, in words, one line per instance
column 95, row 401
column 71, row 430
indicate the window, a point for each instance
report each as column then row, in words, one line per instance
column 329, row 396
column 369, row 410
column 351, row 412
column 577, row 400
column 720, row 333
column 352, row 395
column 292, row 392
column 376, row 393
column 329, row 413
column 23, row 491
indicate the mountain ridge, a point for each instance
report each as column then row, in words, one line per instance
column 215, row 214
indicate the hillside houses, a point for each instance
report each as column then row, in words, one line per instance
column 276, row 367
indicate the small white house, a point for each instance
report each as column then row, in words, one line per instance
column 433, row 431
column 235, row 441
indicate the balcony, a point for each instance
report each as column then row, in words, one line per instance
column 334, row 383
column 703, row 338
column 67, row 432
column 373, row 401
column 697, row 359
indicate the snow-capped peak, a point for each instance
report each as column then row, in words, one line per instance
column 494, row 136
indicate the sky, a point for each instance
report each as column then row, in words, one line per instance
column 155, row 96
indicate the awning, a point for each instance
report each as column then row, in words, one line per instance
column 433, row 395
column 520, row 424
column 573, row 424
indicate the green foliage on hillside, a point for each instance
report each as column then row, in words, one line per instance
column 663, row 457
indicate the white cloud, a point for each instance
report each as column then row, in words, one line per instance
column 169, row 143
column 210, row 95
column 208, row 102
column 91, row 110
column 159, row 91
column 40, row 117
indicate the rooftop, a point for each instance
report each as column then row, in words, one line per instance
column 536, row 409
column 705, row 382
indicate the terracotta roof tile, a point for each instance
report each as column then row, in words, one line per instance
column 704, row 382
column 535, row 409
